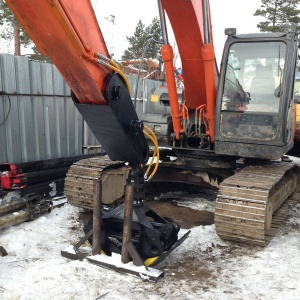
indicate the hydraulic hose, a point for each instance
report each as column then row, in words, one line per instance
column 150, row 134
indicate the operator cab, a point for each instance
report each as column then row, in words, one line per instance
column 255, row 97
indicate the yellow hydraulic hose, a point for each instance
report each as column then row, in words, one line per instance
column 103, row 60
column 153, row 138
column 154, row 152
column 116, row 69
column 113, row 63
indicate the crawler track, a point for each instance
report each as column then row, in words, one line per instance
column 79, row 182
column 250, row 204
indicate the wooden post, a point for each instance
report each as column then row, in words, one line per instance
column 97, row 219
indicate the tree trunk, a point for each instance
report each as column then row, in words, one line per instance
column 17, row 39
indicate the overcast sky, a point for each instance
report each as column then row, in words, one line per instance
column 229, row 13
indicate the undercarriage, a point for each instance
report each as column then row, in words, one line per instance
column 250, row 203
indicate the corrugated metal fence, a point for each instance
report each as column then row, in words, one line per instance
column 37, row 117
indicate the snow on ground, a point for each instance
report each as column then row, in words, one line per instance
column 203, row 267
column 200, row 200
column 11, row 196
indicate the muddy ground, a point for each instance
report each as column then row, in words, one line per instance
column 162, row 200
column 186, row 217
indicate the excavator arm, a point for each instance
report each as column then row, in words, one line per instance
column 67, row 31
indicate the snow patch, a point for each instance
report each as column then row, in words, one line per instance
column 10, row 196
column 196, row 203
column 202, row 267
column 53, row 192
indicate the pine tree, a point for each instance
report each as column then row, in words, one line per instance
column 154, row 31
column 139, row 39
column 280, row 15
column 136, row 42
column 14, row 31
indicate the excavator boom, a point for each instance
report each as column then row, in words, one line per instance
column 67, row 31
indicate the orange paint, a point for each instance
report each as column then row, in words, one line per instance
column 67, row 31
column 199, row 66
column 167, row 56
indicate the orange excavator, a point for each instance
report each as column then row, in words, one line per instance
column 230, row 128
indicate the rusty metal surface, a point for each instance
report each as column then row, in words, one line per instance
column 97, row 217
column 3, row 251
column 127, row 225
column 136, row 258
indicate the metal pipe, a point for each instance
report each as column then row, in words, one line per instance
column 85, row 137
column 91, row 146
column 35, row 95
column 206, row 22
column 128, row 212
column 143, row 97
column 12, row 206
column 167, row 56
column 11, row 219
column 143, row 90
column 162, row 23
column 97, row 219
column 139, row 71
